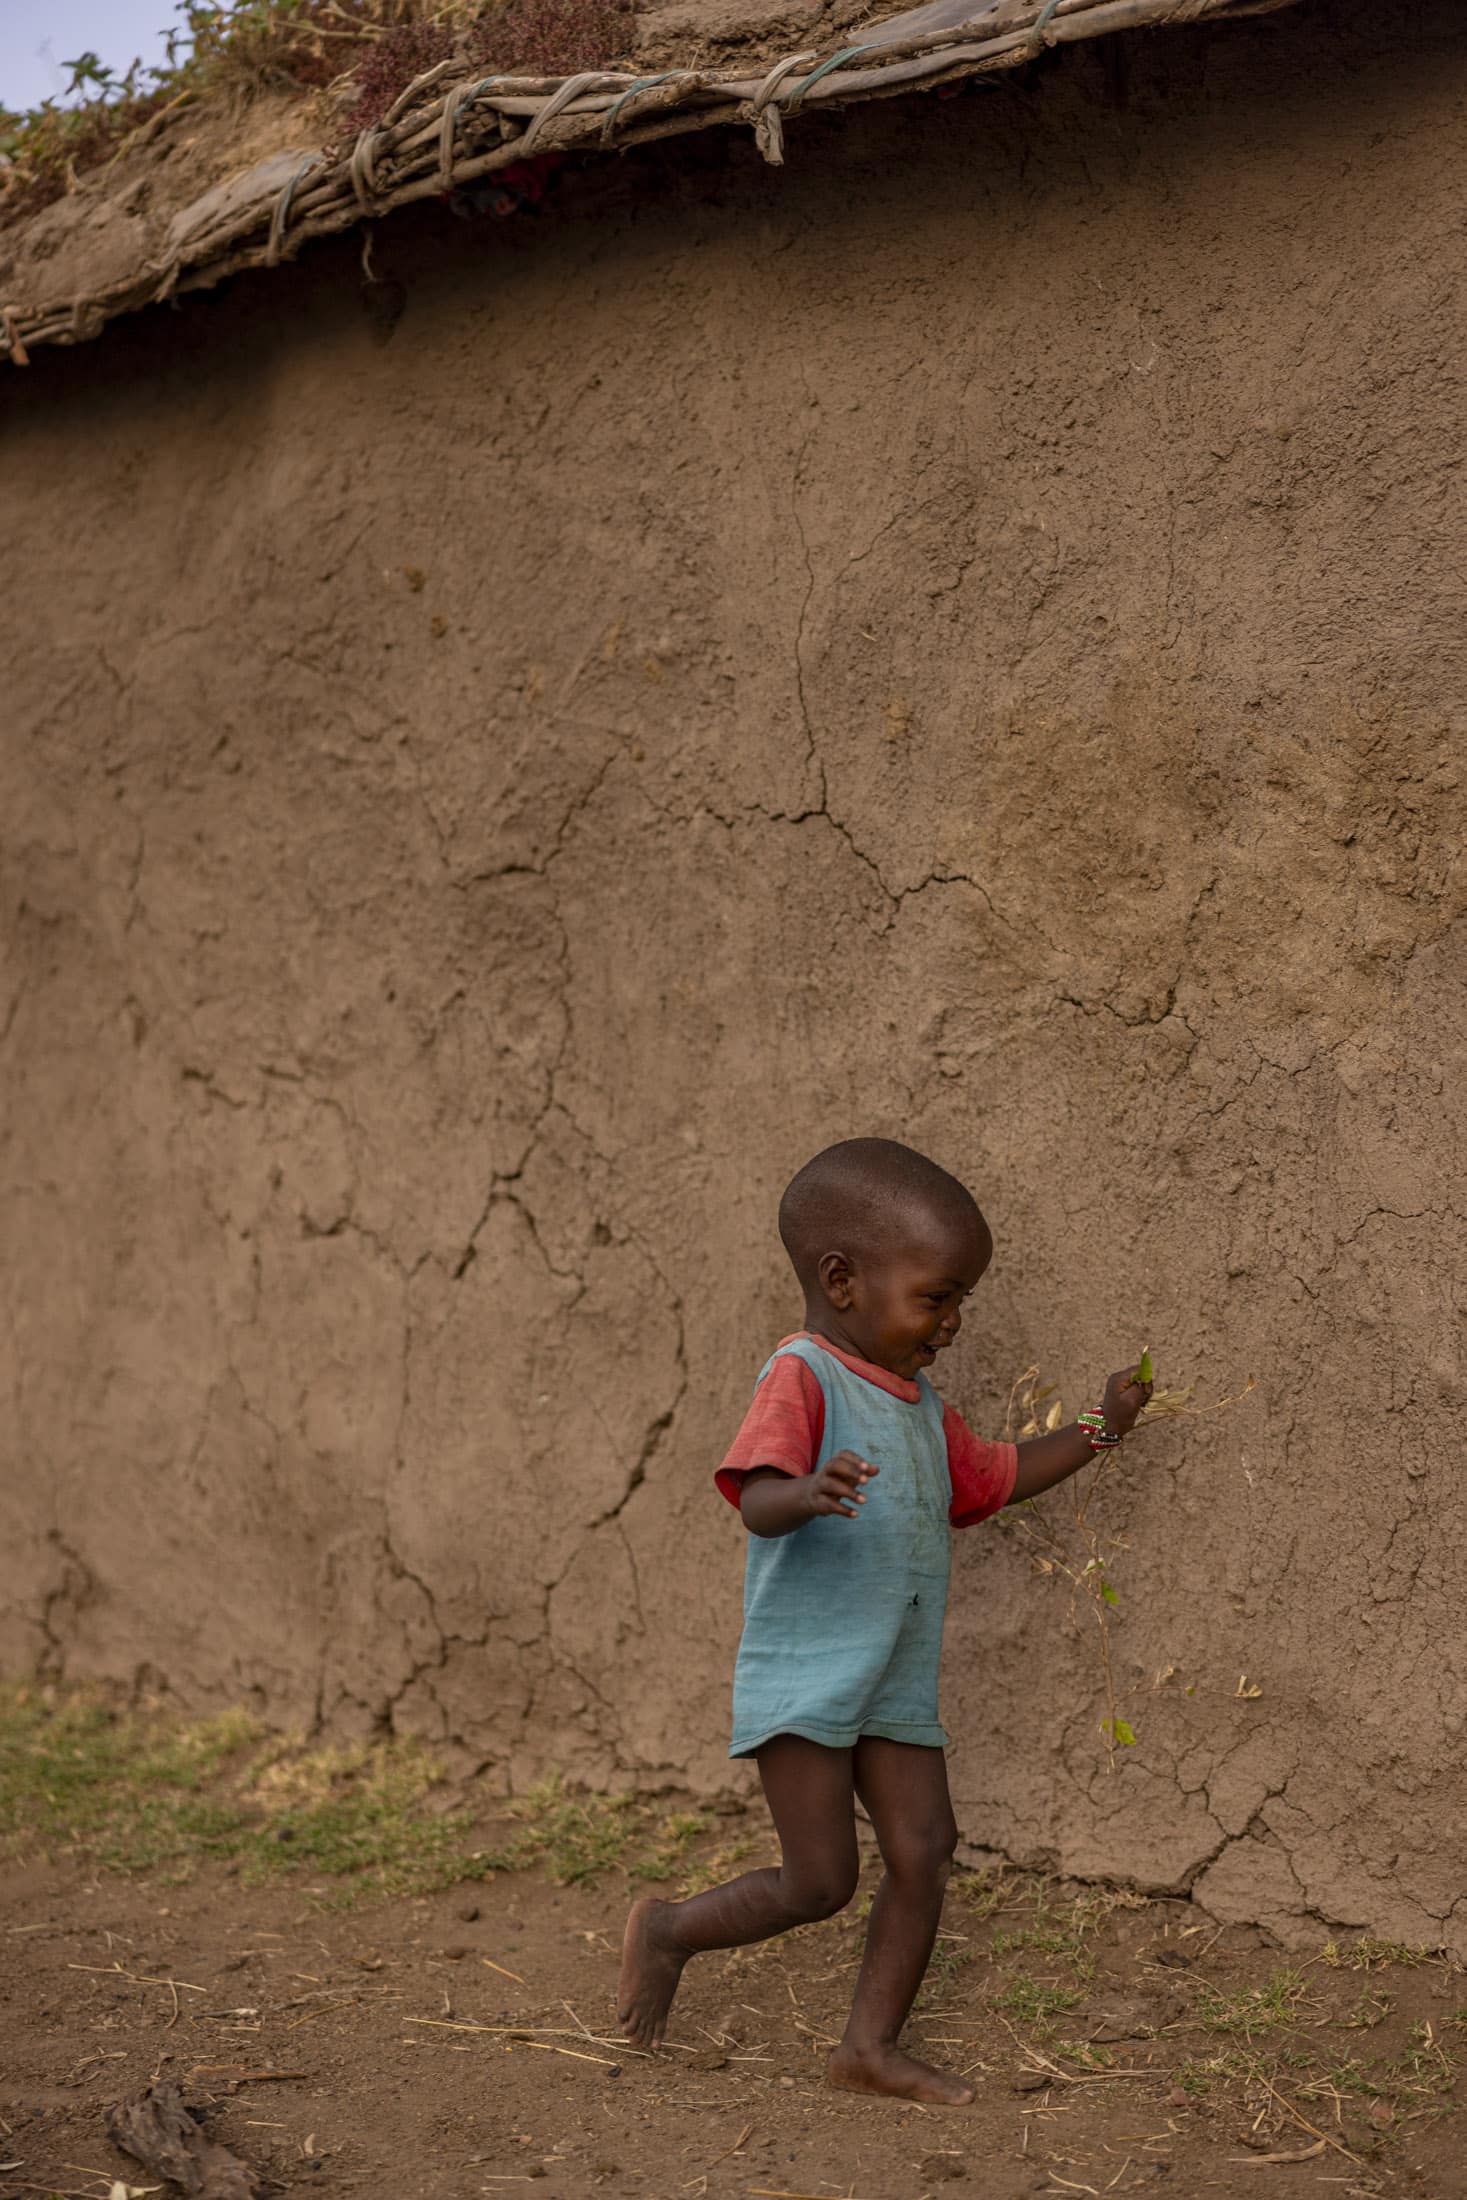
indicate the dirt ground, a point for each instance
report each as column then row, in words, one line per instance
column 379, row 2049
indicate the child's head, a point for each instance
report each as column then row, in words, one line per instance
column 886, row 1246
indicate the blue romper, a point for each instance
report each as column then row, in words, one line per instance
column 843, row 1618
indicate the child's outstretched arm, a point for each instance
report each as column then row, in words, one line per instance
column 1045, row 1460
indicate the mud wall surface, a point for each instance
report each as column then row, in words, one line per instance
column 961, row 638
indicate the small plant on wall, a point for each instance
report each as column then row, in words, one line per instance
column 1061, row 1534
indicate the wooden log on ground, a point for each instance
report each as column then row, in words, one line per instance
column 157, row 2129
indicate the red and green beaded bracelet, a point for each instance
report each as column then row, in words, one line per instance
column 1100, row 1438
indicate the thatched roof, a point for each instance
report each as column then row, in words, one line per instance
column 132, row 237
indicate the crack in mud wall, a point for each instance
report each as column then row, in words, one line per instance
column 961, row 638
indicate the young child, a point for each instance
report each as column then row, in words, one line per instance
column 849, row 1472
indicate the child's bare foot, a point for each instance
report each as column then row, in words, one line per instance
column 651, row 1965
column 887, row 2070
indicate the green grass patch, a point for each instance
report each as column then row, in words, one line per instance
column 985, row 1893
column 1050, row 1937
column 149, row 1792
column 1372, row 2008
column 576, row 1837
column 667, row 1855
column 1048, row 1923
column 699, row 1873
column 1369, row 1954
column 579, row 1837
column 145, row 1792
column 132, row 1791
column 358, row 1815
column 1427, row 2066
column 1199, row 2075
column 1038, row 2004
column 1369, row 2101
column 1252, row 2009
column 1341, row 2078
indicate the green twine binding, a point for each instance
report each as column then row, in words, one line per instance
column 837, row 61
column 642, row 84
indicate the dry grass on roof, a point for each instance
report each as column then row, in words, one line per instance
column 359, row 52
column 452, row 126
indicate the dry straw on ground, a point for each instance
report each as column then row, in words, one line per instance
column 449, row 127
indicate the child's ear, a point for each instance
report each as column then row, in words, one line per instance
column 835, row 1279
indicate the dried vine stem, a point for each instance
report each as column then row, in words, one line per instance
column 497, row 120
column 1034, row 1408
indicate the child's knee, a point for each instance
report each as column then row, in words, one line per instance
column 821, row 1894
column 923, row 1852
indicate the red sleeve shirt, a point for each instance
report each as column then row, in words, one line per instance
column 785, row 1424
column 783, row 1427
column 982, row 1474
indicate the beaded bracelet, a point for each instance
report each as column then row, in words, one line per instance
column 1099, row 1437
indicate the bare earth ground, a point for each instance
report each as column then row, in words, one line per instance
column 337, row 2051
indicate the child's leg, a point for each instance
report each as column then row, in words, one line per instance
column 809, row 1792
column 905, row 1793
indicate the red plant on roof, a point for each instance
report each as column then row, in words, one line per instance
column 553, row 37
column 392, row 61
column 524, row 38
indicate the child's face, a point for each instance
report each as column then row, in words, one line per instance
column 901, row 1309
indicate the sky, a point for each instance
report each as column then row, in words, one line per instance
column 36, row 36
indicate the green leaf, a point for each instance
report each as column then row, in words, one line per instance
column 1108, row 1593
column 1119, row 1731
column 89, row 68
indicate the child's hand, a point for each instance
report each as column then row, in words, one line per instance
column 1124, row 1398
column 837, row 1487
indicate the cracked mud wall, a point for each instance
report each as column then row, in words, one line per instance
column 962, row 638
